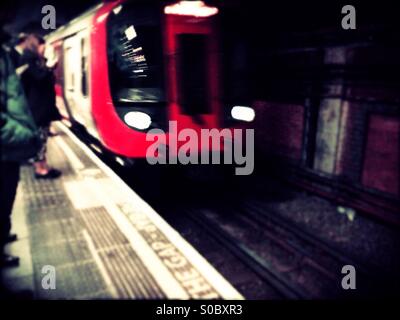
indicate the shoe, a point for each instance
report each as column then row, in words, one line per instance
column 7, row 260
column 10, row 238
column 51, row 174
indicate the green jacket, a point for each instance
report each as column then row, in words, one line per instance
column 18, row 134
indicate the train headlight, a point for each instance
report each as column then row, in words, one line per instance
column 243, row 113
column 138, row 120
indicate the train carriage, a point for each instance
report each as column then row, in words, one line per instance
column 128, row 67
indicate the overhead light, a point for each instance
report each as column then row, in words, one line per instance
column 117, row 9
column 191, row 8
column 130, row 33
column 138, row 120
column 243, row 113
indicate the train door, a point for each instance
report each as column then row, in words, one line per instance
column 54, row 52
column 193, row 70
column 76, row 80
column 71, row 71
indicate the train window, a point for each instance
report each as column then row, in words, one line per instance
column 58, row 72
column 69, row 76
column 53, row 53
column 193, row 73
column 84, row 68
column 135, row 55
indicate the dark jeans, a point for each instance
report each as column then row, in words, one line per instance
column 9, row 176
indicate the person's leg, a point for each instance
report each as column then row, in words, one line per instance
column 40, row 163
column 9, row 177
column 8, row 189
column 42, row 169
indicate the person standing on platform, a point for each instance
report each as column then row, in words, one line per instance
column 38, row 82
column 18, row 142
column 17, row 51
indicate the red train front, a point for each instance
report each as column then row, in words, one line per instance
column 128, row 67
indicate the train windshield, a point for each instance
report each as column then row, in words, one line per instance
column 135, row 54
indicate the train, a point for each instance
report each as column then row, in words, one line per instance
column 127, row 67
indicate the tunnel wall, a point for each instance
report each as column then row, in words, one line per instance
column 280, row 128
column 333, row 112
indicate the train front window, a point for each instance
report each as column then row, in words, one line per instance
column 193, row 73
column 135, row 55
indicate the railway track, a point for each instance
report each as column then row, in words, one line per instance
column 266, row 218
column 372, row 280
column 315, row 261
column 250, row 258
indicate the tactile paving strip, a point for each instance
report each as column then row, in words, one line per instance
column 129, row 276
column 54, row 231
column 73, row 281
column 56, row 238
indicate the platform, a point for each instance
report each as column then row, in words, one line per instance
column 102, row 239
